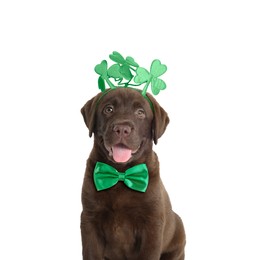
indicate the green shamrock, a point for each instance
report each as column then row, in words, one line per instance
column 114, row 72
column 124, row 65
column 101, row 69
column 142, row 75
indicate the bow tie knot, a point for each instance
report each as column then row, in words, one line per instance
column 136, row 178
column 121, row 176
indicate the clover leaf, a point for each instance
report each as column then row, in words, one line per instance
column 131, row 62
column 101, row 84
column 142, row 75
column 126, row 72
column 114, row 72
column 117, row 57
column 157, row 85
column 157, row 69
column 101, row 69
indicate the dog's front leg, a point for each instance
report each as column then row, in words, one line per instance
column 150, row 253
column 92, row 244
column 151, row 244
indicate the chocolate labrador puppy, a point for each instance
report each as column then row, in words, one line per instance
column 122, row 222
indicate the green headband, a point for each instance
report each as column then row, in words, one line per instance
column 126, row 72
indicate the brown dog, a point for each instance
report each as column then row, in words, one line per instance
column 121, row 223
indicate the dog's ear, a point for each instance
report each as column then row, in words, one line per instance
column 88, row 112
column 160, row 119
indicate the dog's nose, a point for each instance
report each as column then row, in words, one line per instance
column 122, row 130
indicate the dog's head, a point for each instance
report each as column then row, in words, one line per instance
column 124, row 123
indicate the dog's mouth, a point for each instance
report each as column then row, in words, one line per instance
column 121, row 153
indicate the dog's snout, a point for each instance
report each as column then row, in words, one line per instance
column 122, row 130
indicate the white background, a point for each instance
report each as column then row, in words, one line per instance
column 209, row 154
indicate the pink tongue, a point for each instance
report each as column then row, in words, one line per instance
column 121, row 153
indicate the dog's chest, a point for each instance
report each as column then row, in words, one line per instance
column 122, row 225
column 122, row 232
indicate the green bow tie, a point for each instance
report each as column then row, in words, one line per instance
column 136, row 178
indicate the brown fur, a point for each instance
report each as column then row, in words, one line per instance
column 119, row 223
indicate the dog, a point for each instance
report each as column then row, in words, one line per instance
column 120, row 223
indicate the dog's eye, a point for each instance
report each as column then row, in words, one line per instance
column 108, row 110
column 140, row 113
